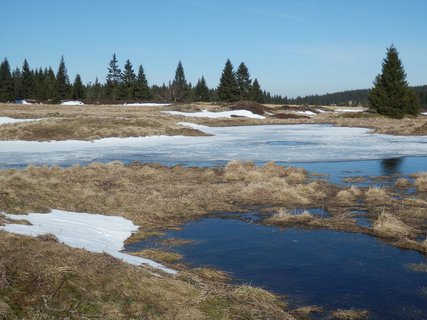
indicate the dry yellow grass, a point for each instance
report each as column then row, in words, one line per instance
column 348, row 197
column 46, row 280
column 402, row 183
column 388, row 225
column 421, row 181
column 92, row 122
column 351, row 314
column 284, row 217
column 377, row 197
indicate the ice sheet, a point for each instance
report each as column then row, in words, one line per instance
column 92, row 232
column 287, row 143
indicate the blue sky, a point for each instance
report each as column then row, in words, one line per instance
column 293, row 47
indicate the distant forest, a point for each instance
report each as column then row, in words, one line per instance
column 127, row 85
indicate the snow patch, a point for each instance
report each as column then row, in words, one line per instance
column 351, row 110
column 6, row 120
column 424, row 113
column 72, row 103
column 310, row 113
column 147, row 104
column 214, row 115
column 92, row 232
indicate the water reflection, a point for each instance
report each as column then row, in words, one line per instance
column 391, row 166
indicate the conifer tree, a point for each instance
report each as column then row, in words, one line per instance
column 78, row 88
column 40, row 86
column 391, row 95
column 62, row 82
column 244, row 82
column 256, row 93
column 113, row 78
column 142, row 91
column 179, row 87
column 201, row 90
column 7, row 90
column 50, row 83
column 128, row 82
column 227, row 88
column 17, row 83
column 27, row 81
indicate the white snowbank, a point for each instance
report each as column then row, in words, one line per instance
column 147, row 104
column 222, row 114
column 5, row 120
column 424, row 113
column 310, row 113
column 25, row 102
column 351, row 109
column 92, row 232
column 72, row 103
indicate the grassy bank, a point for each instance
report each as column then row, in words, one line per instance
column 95, row 122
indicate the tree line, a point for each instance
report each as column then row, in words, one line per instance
column 124, row 84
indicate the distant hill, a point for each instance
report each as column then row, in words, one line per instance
column 350, row 97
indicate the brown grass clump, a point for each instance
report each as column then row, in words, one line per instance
column 377, row 196
column 348, row 197
column 402, row 183
column 158, row 255
column 351, row 314
column 421, row 182
column 252, row 106
column 389, row 226
column 5, row 311
column 419, row 267
column 284, row 217
column 306, row 312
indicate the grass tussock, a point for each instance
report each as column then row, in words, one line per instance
column 402, row 183
column 419, row 267
column 284, row 217
column 348, row 197
column 421, row 181
column 377, row 196
column 389, row 226
column 158, row 255
column 351, row 314
column 141, row 235
column 46, row 280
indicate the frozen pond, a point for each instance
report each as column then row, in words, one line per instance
column 336, row 270
column 285, row 143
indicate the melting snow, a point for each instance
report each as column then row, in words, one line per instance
column 92, row 232
column 286, row 143
column 147, row 104
column 310, row 113
column 222, row 114
column 424, row 113
column 5, row 120
column 351, row 110
column 72, row 103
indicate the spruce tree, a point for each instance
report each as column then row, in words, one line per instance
column 17, row 83
column 128, row 82
column 179, row 87
column 113, row 78
column 256, row 93
column 142, row 91
column 27, row 81
column 227, row 88
column 7, row 90
column 391, row 95
column 201, row 90
column 62, row 82
column 50, row 83
column 40, row 86
column 244, row 82
column 78, row 88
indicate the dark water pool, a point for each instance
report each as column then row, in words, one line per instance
column 331, row 269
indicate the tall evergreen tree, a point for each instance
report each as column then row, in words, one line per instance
column 17, row 83
column 62, row 82
column 40, row 86
column 256, row 93
column 113, row 78
column 128, row 83
column 142, row 91
column 227, row 88
column 201, row 90
column 50, row 83
column 7, row 90
column 244, row 82
column 179, row 85
column 391, row 95
column 78, row 88
column 27, row 81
